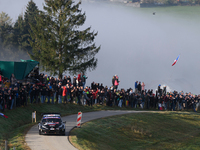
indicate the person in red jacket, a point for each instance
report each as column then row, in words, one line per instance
column 64, row 94
column 94, row 96
column 79, row 77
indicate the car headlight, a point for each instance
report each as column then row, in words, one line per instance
column 44, row 127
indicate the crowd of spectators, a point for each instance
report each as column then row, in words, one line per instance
column 46, row 89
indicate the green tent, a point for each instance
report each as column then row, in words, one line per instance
column 20, row 69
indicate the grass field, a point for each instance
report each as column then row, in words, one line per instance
column 165, row 130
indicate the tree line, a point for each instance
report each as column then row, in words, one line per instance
column 14, row 35
column 51, row 36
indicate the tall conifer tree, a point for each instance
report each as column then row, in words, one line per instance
column 18, row 32
column 6, row 36
column 59, row 44
column 29, row 18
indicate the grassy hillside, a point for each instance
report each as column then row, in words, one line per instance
column 167, row 130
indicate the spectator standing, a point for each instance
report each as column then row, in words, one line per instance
column 32, row 93
column 143, row 87
column 48, row 93
column 108, row 98
column 74, row 81
column 79, row 77
column 81, row 95
column 37, row 94
column 7, row 83
column 24, row 95
column 164, row 89
column 113, row 81
column 166, row 101
column 69, row 79
column 136, row 86
column 43, row 94
column 180, row 102
column 10, row 100
column 64, row 82
column 59, row 94
column 159, row 89
column 13, row 80
column 54, row 89
column 86, row 98
column 73, row 94
column 84, row 80
column 45, row 79
column 139, row 87
column 64, row 93
column 143, row 99
column 116, row 82
column 28, row 90
column 68, row 92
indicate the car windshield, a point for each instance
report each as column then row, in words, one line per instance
column 51, row 120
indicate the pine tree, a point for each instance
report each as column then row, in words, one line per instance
column 29, row 18
column 5, row 28
column 6, row 33
column 58, row 44
column 18, row 32
column 11, row 38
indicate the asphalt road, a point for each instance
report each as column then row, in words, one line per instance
column 57, row 142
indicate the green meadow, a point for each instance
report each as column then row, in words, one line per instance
column 148, row 131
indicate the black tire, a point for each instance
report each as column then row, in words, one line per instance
column 63, row 133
